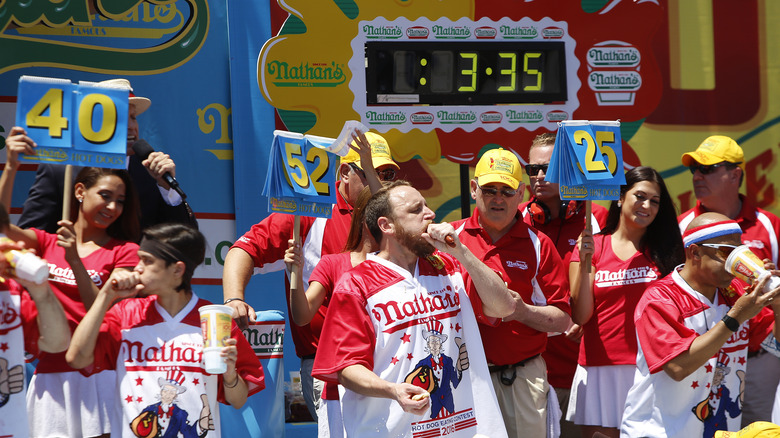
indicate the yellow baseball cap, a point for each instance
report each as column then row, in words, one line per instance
column 380, row 152
column 499, row 166
column 716, row 149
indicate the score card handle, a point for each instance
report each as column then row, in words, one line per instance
column 296, row 269
column 589, row 227
column 67, row 192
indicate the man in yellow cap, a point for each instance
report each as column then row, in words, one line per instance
column 529, row 263
column 261, row 249
column 718, row 168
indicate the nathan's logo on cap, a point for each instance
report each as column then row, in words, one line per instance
column 715, row 149
column 501, row 165
column 378, row 147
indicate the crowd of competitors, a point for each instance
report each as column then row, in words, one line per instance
column 633, row 245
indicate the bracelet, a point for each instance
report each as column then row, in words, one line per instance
column 224, row 382
column 731, row 323
column 234, row 299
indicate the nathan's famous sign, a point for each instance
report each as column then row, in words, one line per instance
column 102, row 36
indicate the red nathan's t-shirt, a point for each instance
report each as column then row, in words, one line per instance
column 529, row 263
column 327, row 273
column 99, row 264
column 609, row 337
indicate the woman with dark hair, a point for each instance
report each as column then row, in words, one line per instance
column 97, row 240
column 640, row 243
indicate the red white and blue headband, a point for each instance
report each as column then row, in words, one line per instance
column 709, row 231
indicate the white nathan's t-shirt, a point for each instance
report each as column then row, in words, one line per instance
column 408, row 327
column 158, row 357
column 668, row 318
column 16, row 317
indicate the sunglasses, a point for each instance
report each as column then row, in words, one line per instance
column 533, row 169
column 709, row 168
column 723, row 249
column 493, row 191
column 384, row 175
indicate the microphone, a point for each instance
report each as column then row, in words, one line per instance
column 142, row 148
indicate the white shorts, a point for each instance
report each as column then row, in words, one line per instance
column 69, row 404
column 598, row 395
column 329, row 421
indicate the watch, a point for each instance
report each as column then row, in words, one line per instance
column 731, row 323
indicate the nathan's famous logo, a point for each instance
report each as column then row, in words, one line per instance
column 284, row 205
column 527, row 116
column 304, row 74
column 613, row 56
column 457, row 32
column 552, row 32
column 385, row 117
column 385, row 32
column 266, row 339
column 573, row 191
column 150, row 36
column 456, row 117
column 417, row 32
column 421, row 118
column 557, row 116
column 490, row 117
column 485, row 32
column 641, row 274
column 173, row 351
column 614, row 80
column 422, row 304
column 518, row 32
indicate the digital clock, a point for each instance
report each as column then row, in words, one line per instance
column 465, row 72
column 443, row 75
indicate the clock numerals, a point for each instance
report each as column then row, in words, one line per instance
column 466, row 72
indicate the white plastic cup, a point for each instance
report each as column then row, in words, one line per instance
column 215, row 323
column 745, row 265
column 29, row 266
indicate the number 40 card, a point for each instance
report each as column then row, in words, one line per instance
column 80, row 124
